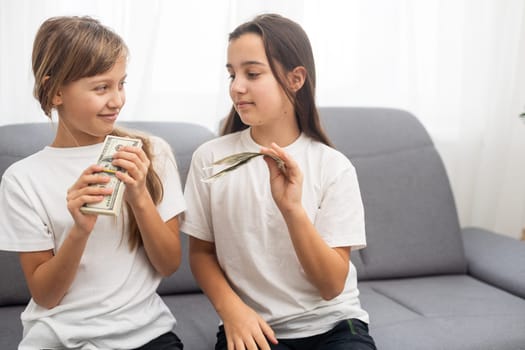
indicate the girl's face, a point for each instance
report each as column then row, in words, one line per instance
column 257, row 96
column 89, row 107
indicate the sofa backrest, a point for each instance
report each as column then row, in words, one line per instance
column 411, row 220
column 17, row 142
column 20, row 140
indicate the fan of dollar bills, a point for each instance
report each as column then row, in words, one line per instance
column 236, row 160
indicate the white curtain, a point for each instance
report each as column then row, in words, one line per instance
column 458, row 65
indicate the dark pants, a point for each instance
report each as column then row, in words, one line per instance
column 350, row 334
column 167, row 341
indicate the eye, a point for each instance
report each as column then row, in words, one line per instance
column 253, row 75
column 121, row 84
column 101, row 88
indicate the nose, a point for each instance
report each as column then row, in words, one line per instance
column 117, row 99
column 237, row 86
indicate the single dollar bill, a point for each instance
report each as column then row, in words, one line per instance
column 235, row 161
column 111, row 204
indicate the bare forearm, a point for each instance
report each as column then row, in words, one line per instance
column 161, row 239
column 50, row 280
column 325, row 267
column 211, row 279
column 243, row 326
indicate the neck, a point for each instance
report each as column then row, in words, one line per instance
column 68, row 137
column 64, row 137
column 282, row 135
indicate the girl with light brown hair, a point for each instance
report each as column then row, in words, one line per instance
column 92, row 278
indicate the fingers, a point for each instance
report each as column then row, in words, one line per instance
column 92, row 175
column 268, row 333
column 239, row 344
column 269, row 157
column 132, row 154
column 252, row 333
column 290, row 170
column 272, row 167
column 255, row 338
column 229, row 343
column 83, row 184
column 76, row 200
column 134, row 161
column 93, row 169
column 276, row 151
column 81, row 192
column 258, row 342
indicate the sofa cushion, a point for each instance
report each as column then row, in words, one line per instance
column 496, row 259
column 13, row 289
column 10, row 327
column 411, row 222
column 443, row 312
column 197, row 321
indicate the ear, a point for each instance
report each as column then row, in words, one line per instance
column 296, row 78
column 57, row 99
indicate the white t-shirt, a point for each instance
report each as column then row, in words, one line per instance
column 237, row 213
column 112, row 302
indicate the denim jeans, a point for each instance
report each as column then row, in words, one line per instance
column 350, row 334
column 167, row 341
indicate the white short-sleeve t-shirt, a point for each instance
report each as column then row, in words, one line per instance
column 237, row 213
column 112, row 302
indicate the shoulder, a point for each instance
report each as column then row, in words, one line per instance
column 26, row 165
column 159, row 145
column 221, row 141
column 161, row 156
column 327, row 164
column 218, row 145
column 24, row 175
column 328, row 156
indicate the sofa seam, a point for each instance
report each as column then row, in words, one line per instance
column 386, row 153
column 397, row 301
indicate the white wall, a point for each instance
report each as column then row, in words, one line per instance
column 458, row 65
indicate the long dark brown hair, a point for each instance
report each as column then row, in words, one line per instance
column 67, row 49
column 285, row 43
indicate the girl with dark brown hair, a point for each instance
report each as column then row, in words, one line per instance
column 270, row 245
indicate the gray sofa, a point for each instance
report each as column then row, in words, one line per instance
column 427, row 283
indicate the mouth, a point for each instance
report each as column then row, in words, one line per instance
column 243, row 104
column 110, row 117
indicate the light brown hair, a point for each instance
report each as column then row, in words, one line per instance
column 285, row 44
column 69, row 48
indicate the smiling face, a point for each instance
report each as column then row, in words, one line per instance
column 89, row 107
column 256, row 94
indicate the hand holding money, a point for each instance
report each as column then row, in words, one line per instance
column 111, row 204
column 235, row 161
column 286, row 187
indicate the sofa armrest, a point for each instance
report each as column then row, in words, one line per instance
column 495, row 259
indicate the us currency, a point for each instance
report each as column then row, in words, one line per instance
column 235, row 161
column 111, row 204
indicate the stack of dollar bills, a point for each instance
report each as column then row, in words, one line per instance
column 111, row 204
